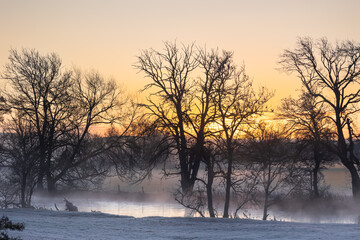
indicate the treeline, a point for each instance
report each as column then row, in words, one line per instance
column 203, row 120
column 49, row 132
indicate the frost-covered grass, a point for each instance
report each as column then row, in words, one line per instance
column 46, row 224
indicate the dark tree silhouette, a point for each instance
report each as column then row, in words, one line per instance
column 62, row 107
column 214, row 67
column 19, row 151
column 237, row 106
column 169, row 72
column 332, row 74
column 38, row 86
column 138, row 153
column 187, row 109
column 94, row 101
column 273, row 163
column 309, row 120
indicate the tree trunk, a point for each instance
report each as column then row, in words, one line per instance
column 355, row 180
column 315, row 183
column 23, row 192
column 265, row 213
column 228, row 187
column 209, row 191
column 41, row 173
column 267, row 193
column 343, row 154
column 186, row 185
column 315, row 173
column 190, row 165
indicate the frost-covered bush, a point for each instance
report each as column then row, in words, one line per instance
column 6, row 224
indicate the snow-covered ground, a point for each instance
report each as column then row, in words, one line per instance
column 50, row 225
column 131, row 215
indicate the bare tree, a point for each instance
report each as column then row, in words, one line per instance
column 272, row 163
column 214, row 66
column 95, row 101
column 139, row 152
column 309, row 120
column 187, row 108
column 170, row 102
column 19, row 151
column 62, row 107
column 332, row 74
column 37, row 86
column 237, row 106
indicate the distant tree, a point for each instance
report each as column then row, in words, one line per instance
column 332, row 74
column 95, row 101
column 272, row 163
column 309, row 120
column 62, row 107
column 19, row 151
column 38, row 91
column 137, row 154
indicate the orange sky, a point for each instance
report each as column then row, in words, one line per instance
column 107, row 35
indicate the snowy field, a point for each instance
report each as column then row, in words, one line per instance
column 46, row 224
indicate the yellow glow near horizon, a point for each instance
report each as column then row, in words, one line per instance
column 107, row 36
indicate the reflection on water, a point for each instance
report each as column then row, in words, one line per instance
column 135, row 209
column 163, row 209
column 125, row 208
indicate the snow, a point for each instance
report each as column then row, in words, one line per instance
column 51, row 225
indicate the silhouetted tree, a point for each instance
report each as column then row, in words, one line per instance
column 212, row 65
column 187, row 108
column 237, row 105
column 39, row 91
column 95, row 101
column 62, row 107
column 309, row 120
column 19, row 151
column 331, row 73
column 170, row 102
column 138, row 153
column 273, row 163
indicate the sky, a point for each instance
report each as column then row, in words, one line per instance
column 107, row 35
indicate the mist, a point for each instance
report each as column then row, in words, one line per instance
column 155, row 197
